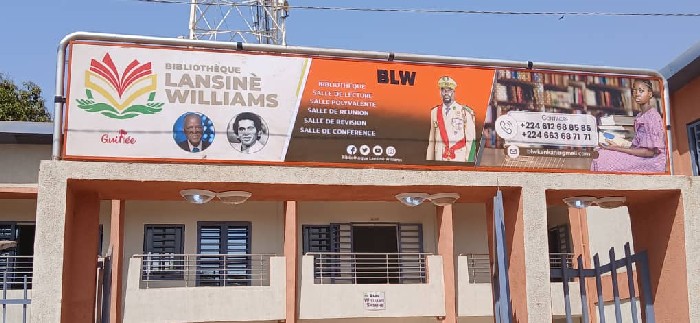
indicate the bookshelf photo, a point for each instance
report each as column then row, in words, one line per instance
column 608, row 98
column 519, row 91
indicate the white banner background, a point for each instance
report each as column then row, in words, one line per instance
column 153, row 133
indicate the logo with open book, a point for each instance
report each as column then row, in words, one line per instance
column 120, row 96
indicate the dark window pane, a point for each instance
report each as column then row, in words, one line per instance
column 163, row 246
column 224, row 239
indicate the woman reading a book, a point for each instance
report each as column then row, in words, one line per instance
column 647, row 154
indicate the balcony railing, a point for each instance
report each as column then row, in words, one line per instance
column 369, row 268
column 15, row 270
column 555, row 260
column 161, row 270
column 479, row 268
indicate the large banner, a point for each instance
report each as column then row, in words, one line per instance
column 150, row 103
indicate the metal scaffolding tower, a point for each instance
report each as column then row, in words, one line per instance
column 258, row 21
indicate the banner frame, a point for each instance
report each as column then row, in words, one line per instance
column 58, row 149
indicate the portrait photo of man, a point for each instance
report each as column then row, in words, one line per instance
column 196, row 133
column 452, row 127
column 247, row 133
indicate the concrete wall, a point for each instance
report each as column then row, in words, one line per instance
column 558, row 307
column 205, row 304
column 488, row 319
column 267, row 233
column 472, row 299
column 56, row 177
column 15, row 311
column 18, row 210
column 376, row 320
column 557, row 215
column 471, row 231
column 469, row 220
column 609, row 228
column 322, row 301
column 684, row 110
column 324, row 213
column 24, row 210
column 265, row 217
column 625, row 309
column 20, row 163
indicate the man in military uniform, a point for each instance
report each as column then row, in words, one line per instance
column 452, row 130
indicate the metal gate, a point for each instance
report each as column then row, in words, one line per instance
column 503, row 311
column 641, row 262
column 13, row 284
column 104, row 287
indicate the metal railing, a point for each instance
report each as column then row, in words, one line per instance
column 555, row 260
column 188, row 270
column 479, row 268
column 14, row 269
column 369, row 268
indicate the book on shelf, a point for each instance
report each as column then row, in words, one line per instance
column 608, row 81
column 558, row 99
column 514, row 94
column 617, row 120
column 618, row 138
column 618, row 129
column 576, row 94
column 556, row 80
column 604, row 98
column 516, row 75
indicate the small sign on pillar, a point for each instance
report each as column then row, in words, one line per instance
column 374, row 301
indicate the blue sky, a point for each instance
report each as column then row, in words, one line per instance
column 28, row 50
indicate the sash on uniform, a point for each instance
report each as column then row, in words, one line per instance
column 449, row 151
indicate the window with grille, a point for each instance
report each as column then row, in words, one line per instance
column 317, row 238
column 16, row 259
column 560, row 245
column 224, row 254
column 559, row 240
column 694, row 146
column 163, row 247
column 335, row 243
column 8, row 232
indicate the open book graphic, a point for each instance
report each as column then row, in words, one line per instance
column 120, row 90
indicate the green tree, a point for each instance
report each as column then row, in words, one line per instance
column 21, row 104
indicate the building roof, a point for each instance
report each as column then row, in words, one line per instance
column 23, row 132
column 683, row 69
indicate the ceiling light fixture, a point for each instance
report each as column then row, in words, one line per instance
column 611, row 202
column 197, row 196
column 443, row 199
column 439, row 199
column 412, row 199
column 234, row 197
column 580, row 202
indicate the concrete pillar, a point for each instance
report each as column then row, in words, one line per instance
column 80, row 257
column 658, row 227
column 446, row 251
column 691, row 215
column 578, row 223
column 526, row 234
column 514, row 228
column 49, row 244
column 291, row 258
column 116, row 240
